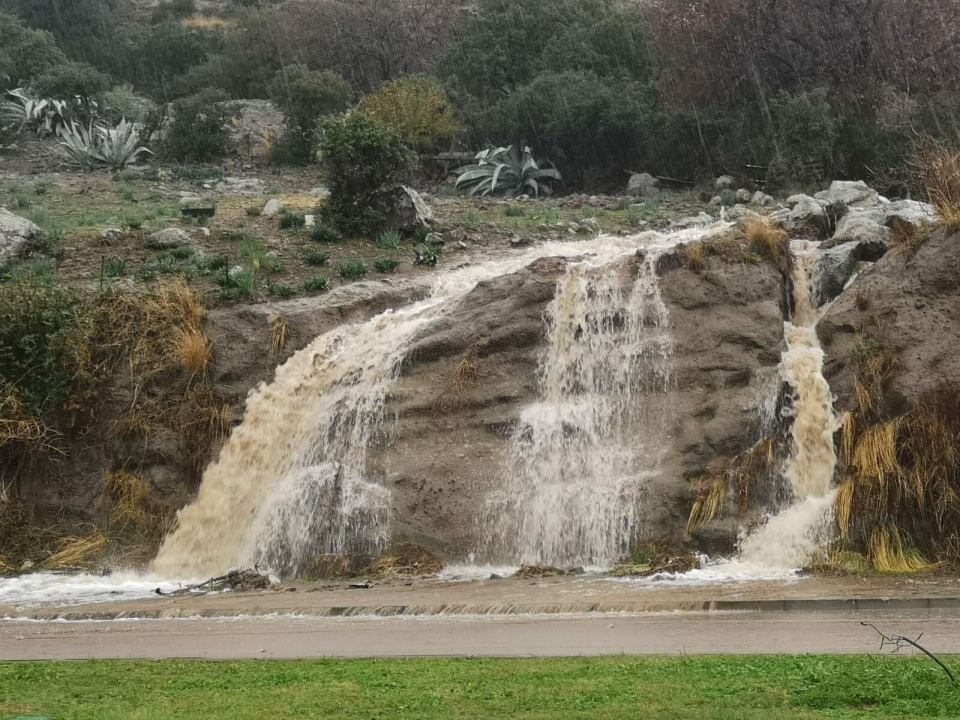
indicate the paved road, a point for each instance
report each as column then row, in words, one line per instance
column 505, row 636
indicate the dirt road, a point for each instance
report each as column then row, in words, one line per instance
column 506, row 636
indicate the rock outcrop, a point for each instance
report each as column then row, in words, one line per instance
column 18, row 238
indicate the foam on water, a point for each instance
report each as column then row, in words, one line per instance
column 37, row 589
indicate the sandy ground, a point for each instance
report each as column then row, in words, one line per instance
column 502, row 636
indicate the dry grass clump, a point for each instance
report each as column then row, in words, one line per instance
column 768, row 241
column 18, row 426
column 128, row 498
column 405, row 559
column 693, row 257
column 6, row 569
column 77, row 553
column 279, row 331
column 203, row 420
column 195, row 350
column 457, row 387
column 939, row 171
column 744, row 474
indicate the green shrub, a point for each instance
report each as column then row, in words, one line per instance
column 159, row 56
column 317, row 283
column 514, row 211
column 198, row 131
column 71, row 79
column 389, row 240
column 280, row 290
column 417, row 107
column 238, row 282
column 326, row 234
column 364, row 159
column 44, row 341
column 386, row 265
column 305, row 96
column 352, row 269
column 122, row 103
column 428, row 255
column 292, row 221
column 25, row 53
column 317, row 259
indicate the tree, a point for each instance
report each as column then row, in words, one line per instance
column 25, row 53
column 71, row 79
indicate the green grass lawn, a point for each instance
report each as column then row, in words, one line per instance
column 734, row 688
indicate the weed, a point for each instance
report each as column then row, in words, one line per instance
column 194, row 349
column 212, row 263
column 279, row 330
column 386, row 265
column 279, row 290
column 514, row 211
column 474, row 219
column 128, row 497
column 114, row 267
column 292, row 221
column 238, row 282
column 352, row 269
column 326, row 234
column 316, row 284
column 428, row 255
column 389, row 240
column 42, row 188
column 183, row 253
column 316, row 259
column 254, row 211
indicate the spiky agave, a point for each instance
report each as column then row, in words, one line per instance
column 504, row 170
column 96, row 145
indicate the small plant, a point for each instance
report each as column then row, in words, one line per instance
column 316, row 284
column 352, row 269
column 194, row 350
column 326, row 234
column 254, row 211
column 213, row 263
column 389, row 240
column 504, row 171
column 183, row 253
column 317, row 259
column 386, row 265
column 114, row 267
column 514, row 211
column 279, row 290
column 238, row 282
column 474, row 219
column 292, row 221
column 428, row 255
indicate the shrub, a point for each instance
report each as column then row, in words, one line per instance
column 390, row 240
column 386, row 265
column 352, row 269
column 417, row 107
column 25, row 53
column 305, row 96
column 364, row 160
column 44, row 331
column 279, row 290
column 428, row 255
column 122, row 103
column 158, row 57
column 326, row 234
column 198, row 130
column 939, row 174
column 291, row 221
column 317, row 259
column 72, row 79
column 318, row 283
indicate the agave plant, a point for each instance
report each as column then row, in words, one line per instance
column 44, row 115
column 97, row 145
column 503, row 170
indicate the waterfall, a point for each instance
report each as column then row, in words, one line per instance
column 578, row 456
column 788, row 539
column 292, row 484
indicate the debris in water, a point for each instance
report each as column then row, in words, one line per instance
column 660, row 564
column 238, row 580
column 543, row 571
column 405, row 559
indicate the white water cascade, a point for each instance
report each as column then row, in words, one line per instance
column 788, row 539
column 572, row 483
column 292, row 484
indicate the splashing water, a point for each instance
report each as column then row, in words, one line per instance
column 579, row 455
column 292, row 484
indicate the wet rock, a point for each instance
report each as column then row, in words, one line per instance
column 590, row 224
column 807, row 218
column 693, row 221
column 18, row 238
column 909, row 212
column 405, row 210
column 835, row 266
column 761, row 199
column 860, row 225
column 844, row 194
column 744, row 196
column 167, row 239
column 642, row 185
column 741, row 213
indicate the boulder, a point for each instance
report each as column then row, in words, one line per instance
column 807, row 218
column 724, row 182
column 272, row 208
column 692, row 221
column 761, row 199
column 909, row 212
column 241, row 186
column 167, row 239
column 844, row 194
column 405, row 210
column 836, row 265
column 741, row 213
column 860, row 225
column 18, row 238
column 642, row 184
column 744, row 196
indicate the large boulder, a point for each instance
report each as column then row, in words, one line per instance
column 860, row 225
column 724, row 182
column 406, row 210
column 642, row 185
column 18, row 238
column 167, row 239
column 807, row 218
column 909, row 212
column 844, row 194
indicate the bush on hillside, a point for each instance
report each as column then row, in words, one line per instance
column 72, row 79
column 198, row 130
column 364, row 160
column 417, row 107
column 25, row 53
column 305, row 97
column 157, row 58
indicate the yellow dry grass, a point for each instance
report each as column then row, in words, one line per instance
column 128, row 498
column 203, row 420
column 77, row 552
column 939, row 167
column 713, row 496
column 208, row 23
column 889, row 554
column 767, row 240
column 19, row 426
column 5, row 568
column 456, row 389
column 279, row 331
column 693, row 256
column 195, row 350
